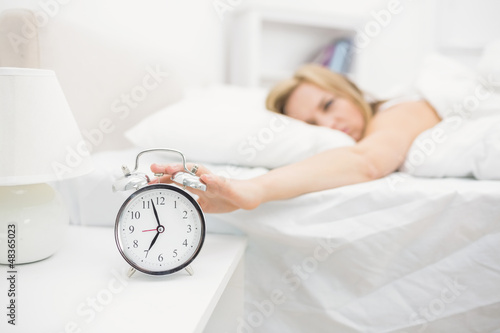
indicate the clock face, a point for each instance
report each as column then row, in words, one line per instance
column 159, row 229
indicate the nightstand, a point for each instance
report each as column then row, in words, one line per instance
column 84, row 288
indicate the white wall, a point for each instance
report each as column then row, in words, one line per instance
column 390, row 56
column 387, row 57
column 458, row 29
column 393, row 47
column 103, row 50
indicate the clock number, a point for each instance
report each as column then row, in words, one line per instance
column 160, row 201
column 160, row 257
column 135, row 215
column 185, row 243
column 185, row 215
column 147, row 252
column 175, row 204
column 175, row 253
column 189, row 228
column 136, row 243
column 131, row 228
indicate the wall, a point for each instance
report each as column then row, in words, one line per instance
column 392, row 47
column 390, row 55
column 458, row 29
column 392, row 37
column 119, row 60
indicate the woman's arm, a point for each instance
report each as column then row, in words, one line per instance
column 384, row 147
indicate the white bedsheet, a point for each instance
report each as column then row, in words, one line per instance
column 401, row 254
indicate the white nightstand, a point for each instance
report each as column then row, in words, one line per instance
column 84, row 288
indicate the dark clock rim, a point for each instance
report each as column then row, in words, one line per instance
column 202, row 231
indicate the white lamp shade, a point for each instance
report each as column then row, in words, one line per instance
column 39, row 138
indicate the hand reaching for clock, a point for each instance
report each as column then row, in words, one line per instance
column 222, row 195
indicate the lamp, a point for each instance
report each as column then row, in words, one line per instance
column 39, row 142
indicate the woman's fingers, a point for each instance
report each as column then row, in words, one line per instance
column 173, row 168
column 200, row 169
column 169, row 169
column 222, row 194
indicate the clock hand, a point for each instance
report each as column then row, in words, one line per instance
column 156, row 213
column 157, row 229
column 154, row 241
column 150, row 230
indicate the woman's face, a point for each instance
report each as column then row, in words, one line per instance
column 316, row 106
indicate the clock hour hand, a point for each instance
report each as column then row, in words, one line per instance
column 154, row 241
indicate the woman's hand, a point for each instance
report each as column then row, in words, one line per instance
column 222, row 195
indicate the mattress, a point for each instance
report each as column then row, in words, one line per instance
column 399, row 254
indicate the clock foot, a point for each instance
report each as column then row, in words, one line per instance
column 189, row 269
column 131, row 271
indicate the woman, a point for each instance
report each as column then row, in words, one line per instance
column 320, row 97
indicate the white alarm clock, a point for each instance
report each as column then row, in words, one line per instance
column 160, row 228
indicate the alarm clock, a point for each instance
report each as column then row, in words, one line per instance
column 160, row 228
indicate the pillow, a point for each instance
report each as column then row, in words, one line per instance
column 228, row 125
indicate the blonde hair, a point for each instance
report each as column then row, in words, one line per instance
column 324, row 79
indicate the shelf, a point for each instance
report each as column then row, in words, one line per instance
column 308, row 18
column 268, row 45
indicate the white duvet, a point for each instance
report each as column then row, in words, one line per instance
column 401, row 254
column 467, row 141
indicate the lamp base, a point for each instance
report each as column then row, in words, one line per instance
column 33, row 222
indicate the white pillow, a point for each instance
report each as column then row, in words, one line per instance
column 228, row 126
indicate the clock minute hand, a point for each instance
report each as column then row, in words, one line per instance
column 156, row 213
column 157, row 229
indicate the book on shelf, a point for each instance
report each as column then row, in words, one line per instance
column 336, row 56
